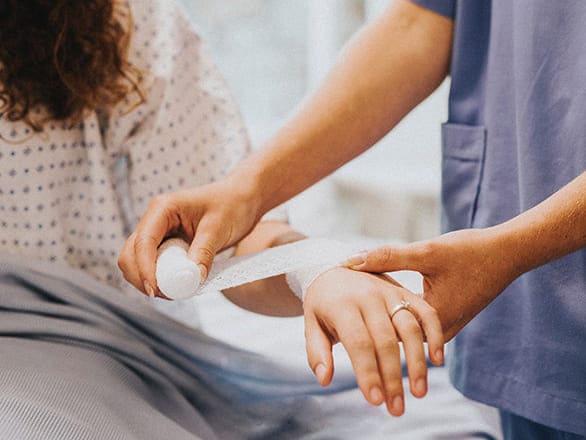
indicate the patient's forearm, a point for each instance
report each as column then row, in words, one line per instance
column 270, row 296
column 550, row 230
column 386, row 70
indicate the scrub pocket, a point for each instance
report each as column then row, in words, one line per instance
column 462, row 163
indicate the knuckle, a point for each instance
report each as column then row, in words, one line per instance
column 369, row 291
column 143, row 240
column 429, row 314
column 419, row 367
column 205, row 253
column 411, row 327
column 427, row 251
column 383, row 255
column 374, row 290
column 386, row 344
column 367, row 374
column 122, row 264
column 360, row 343
column 387, row 347
column 129, row 278
column 160, row 200
column 393, row 383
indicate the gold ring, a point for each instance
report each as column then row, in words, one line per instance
column 404, row 305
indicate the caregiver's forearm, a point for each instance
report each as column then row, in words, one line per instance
column 550, row 230
column 385, row 71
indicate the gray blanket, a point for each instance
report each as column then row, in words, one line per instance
column 80, row 360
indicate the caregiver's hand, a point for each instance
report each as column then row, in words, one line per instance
column 463, row 271
column 222, row 213
column 353, row 308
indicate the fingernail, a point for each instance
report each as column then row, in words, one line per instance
column 320, row 373
column 439, row 355
column 203, row 272
column 397, row 405
column 376, row 395
column 149, row 290
column 356, row 260
column 420, row 385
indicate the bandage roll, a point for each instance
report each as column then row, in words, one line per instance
column 179, row 278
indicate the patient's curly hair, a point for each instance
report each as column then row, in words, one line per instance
column 66, row 56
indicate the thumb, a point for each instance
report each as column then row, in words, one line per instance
column 389, row 259
column 206, row 243
column 319, row 351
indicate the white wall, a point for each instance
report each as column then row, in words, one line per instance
column 260, row 46
column 392, row 190
column 271, row 52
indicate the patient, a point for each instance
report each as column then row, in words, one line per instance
column 107, row 106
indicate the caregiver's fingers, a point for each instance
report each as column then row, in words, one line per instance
column 353, row 334
column 150, row 233
column 210, row 237
column 319, row 350
column 388, row 355
column 390, row 258
column 127, row 263
column 410, row 332
column 432, row 327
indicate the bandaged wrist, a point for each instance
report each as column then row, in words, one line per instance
column 300, row 280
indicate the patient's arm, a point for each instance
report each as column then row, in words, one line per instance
column 270, row 296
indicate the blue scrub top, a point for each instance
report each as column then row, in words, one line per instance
column 516, row 134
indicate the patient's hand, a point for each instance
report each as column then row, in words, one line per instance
column 353, row 308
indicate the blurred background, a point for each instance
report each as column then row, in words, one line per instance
column 274, row 52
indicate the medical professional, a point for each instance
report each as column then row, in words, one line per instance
column 513, row 190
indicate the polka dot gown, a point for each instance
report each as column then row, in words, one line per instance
column 73, row 194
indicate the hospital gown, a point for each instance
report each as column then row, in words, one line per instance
column 73, row 194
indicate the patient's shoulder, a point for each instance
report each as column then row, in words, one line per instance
column 161, row 32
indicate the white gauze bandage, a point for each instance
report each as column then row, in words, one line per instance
column 178, row 277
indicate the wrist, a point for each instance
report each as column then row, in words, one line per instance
column 301, row 280
column 512, row 247
column 549, row 230
column 245, row 182
column 286, row 237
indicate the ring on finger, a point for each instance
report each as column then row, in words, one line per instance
column 403, row 305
